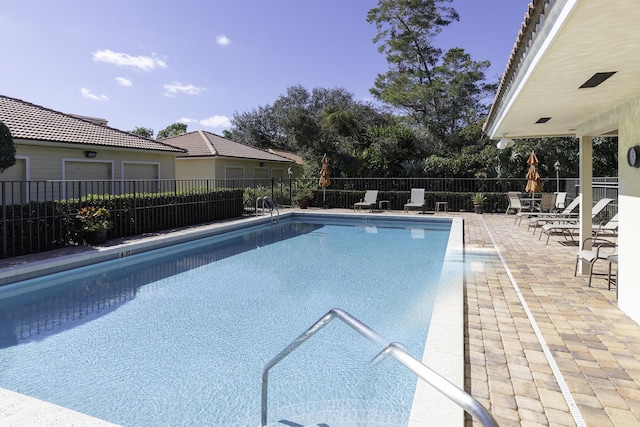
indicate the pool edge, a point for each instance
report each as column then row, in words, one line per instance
column 444, row 349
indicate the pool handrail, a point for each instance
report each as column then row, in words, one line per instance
column 394, row 350
column 268, row 203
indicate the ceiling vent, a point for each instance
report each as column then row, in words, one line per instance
column 596, row 79
column 543, row 119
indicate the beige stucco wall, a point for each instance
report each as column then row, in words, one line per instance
column 626, row 118
column 48, row 162
column 195, row 168
column 217, row 168
column 629, row 208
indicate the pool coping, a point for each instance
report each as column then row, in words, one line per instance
column 444, row 349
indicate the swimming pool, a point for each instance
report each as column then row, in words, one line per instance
column 232, row 302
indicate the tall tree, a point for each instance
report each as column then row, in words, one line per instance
column 442, row 91
column 143, row 132
column 174, row 129
column 257, row 128
column 7, row 149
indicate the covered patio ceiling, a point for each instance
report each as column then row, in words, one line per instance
column 562, row 45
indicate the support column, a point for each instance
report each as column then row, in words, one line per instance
column 586, row 190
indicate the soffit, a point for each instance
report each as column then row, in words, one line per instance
column 595, row 37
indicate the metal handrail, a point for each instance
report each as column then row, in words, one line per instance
column 267, row 202
column 444, row 386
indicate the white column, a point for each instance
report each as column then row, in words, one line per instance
column 586, row 190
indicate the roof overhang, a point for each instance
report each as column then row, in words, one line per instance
column 250, row 159
column 562, row 45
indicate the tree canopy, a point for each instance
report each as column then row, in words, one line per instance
column 360, row 139
column 7, row 148
column 428, row 122
column 443, row 91
column 174, row 129
column 142, row 131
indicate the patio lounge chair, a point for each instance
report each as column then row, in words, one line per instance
column 605, row 228
column 539, row 218
column 561, row 197
column 369, row 200
column 601, row 250
column 568, row 226
column 516, row 204
column 417, row 200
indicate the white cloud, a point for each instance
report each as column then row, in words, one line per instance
column 141, row 63
column 177, row 87
column 89, row 95
column 186, row 120
column 223, row 40
column 220, row 122
column 122, row 81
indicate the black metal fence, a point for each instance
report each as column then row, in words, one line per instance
column 39, row 216
column 457, row 192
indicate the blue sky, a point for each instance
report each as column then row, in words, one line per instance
column 153, row 63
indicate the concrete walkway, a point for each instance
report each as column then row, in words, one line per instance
column 542, row 348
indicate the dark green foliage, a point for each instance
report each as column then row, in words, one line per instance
column 38, row 227
column 174, row 129
column 442, row 91
column 458, row 202
column 143, row 132
column 7, row 149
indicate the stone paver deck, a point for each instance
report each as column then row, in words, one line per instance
column 594, row 345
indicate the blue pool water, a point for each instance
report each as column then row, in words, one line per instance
column 179, row 336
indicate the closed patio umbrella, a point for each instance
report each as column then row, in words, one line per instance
column 325, row 180
column 534, row 180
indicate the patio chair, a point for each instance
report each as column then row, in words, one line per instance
column 538, row 218
column 369, row 200
column 601, row 249
column 417, row 200
column 516, row 204
column 547, row 203
column 561, row 197
column 568, row 226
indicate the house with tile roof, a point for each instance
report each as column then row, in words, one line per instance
column 297, row 169
column 55, row 146
column 575, row 71
column 211, row 156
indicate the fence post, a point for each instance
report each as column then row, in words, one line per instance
column 4, row 221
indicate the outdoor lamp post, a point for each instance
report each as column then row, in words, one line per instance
column 556, row 166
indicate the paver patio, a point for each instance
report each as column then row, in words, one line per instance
column 594, row 344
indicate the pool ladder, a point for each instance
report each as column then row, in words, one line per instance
column 266, row 202
column 395, row 350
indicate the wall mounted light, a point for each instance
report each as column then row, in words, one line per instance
column 261, row 164
column 90, row 154
column 505, row 142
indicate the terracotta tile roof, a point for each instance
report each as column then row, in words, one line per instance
column 288, row 155
column 527, row 33
column 32, row 122
column 207, row 144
